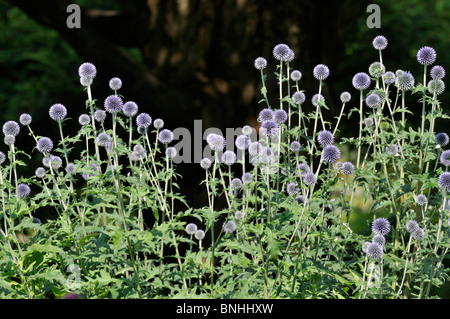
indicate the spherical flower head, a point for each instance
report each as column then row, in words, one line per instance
column 100, row 116
column 325, row 138
column 53, row 160
column 229, row 227
column 239, row 215
column 265, row 115
column 296, row 75
column 2, row 158
column 436, row 86
column 171, row 152
column 103, row 139
column 421, row 200
column 292, row 189
column 113, row 104
column 140, row 151
column 191, row 228
column 380, row 42
column 282, row 52
column 373, row 100
column 445, row 158
column 303, row 168
column 379, row 239
column 389, row 77
column 392, row 149
column 442, row 139
column 70, row 169
column 11, row 128
column 290, row 56
column 115, row 84
column 298, row 98
column 9, row 140
column 236, row 183
column 40, row 172
column 321, row 72
column 87, row 70
column 300, row 199
column 229, row 157
column 57, row 112
column 242, row 142
column 381, row 226
column 374, row 251
column 25, row 119
column 165, row 136
column 426, row 55
column 405, row 81
column 345, row 97
column 317, row 99
column 444, row 181
column 309, row 179
column 23, row 190
column 255, row 148
column 85, row 81
column 331, row 154
column 280, row 116
column 361, row 81
column 437, row 72
column 84, row 119
column 144, row 120
column 418, row 234
column 130, row 108
column 295, row 146
column 247, row 130
column 269, row 128
column 347, row 168
column 205, row 163
column 247, row 178
column 411, row 226
column 216, row 142
column 260, row 63
column 199, row 234
column 368, row 121
column 376, row 69
column 44, row 145
column 158, row 124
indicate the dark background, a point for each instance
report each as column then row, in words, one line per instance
column 193, row 59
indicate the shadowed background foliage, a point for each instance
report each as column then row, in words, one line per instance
column 193, row 59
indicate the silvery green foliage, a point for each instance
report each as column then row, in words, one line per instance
column 278, row 219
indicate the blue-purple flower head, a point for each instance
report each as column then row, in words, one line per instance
column 87, row 70
column 158, row 123
column 445, row 158
column 444, row 181
column 347, row 168
column 345, row 97
column 23, row 190
column 9, row 140
column 280, row 116
column 103, row 139
column 11, row 128
column 269, row 128
column 236, row 184
column 321, row 72
column 373, row 100
column 228, row 158
column 317, row 99
column 437, row 72
column 381, row 226
column 331, row 154
column 303, row 169
column 389, row 77
column 44, row 145
column 205, row 163
column 442, row 139
column 296, row 75
column 374, row 250
column 380, row 42
column 404, row 81
column 25, row 119
column 113, row 104
column 242, row 142
column 376, row 69
column 191, row 228
column 298, row 97
column 84, row 119
column 100, row 116
column 199, row 234
column 391, row 149
column 309, row 179
column 412, row 226
column 143, row 119
column 421, row 200
column 165, row 136
column 57, row 112
column 436, row 86
column 426, row 55
column 295, row 146
column 216, row 142
column 260, row 63
column 40, row 172
column 71, row 169
column 130, row 108
column 361, row 81
column 325, row 138
column 171, row 152
column 292, row 189
column 247, row 178
column 115, row 83
column 379, row 239
column 265, row 115
column 229, row 227
column 282, row 52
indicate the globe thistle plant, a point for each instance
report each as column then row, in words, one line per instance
column 361, row 81
column 23, row 190
column 265, row 115
column 437, row 72
column 298, row 97
column 165, row 136
column 380, row 42
column 445, row 158
column 381, row 226
column 57, row 112
column 404, row 81
column 113, row 104
column 373, row 101
column 442, row 139
column 130, row 108
column 421, row 200
column 374, row 250
column 325, row 138
column 44, row 145
column 260, row 63
column 331, row 154
column 25, row 119
column 229, row 227
column 347, row 168
column 282, row 52
column 115, row 84
column 84, row 119
column 444, row 181
column 11, row 128
column 296, row 75
column 321, row 72
column 426, row 55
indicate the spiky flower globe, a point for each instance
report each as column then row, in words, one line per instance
column 389, row 78
column 298, row 98
column 84, row 119
column 411, row 226
column 229, row 227
column 70, row 169
column 40, row 172
column 11, row 128
column 239, row 215
column 247, row 130
column 442, row 139
column 380, row 42
column 376, row 69
column 229, row 157
column 2, row 157
column 292, row 189
column 437, row 72
column 445, row 158
column 331, row 154
column 236, row 183
column 242, row 142
column 295, row 146
column 379, row 239
column 309, row 179
column 368, row 122
column 373, row 101
column 247, row 178
column 25, row 119
column 426, row 55
column 265, row 115
column 113, row 104
column 269, row 128
column 282, row 52
column 87, row 70
column 158, row 124
column 321, row 72
column 143, row 119
column 44, row 145
column 280, row 116
column 381, row 226
column 374, row 250
column 345, row 97
column 199, row 234
column 103, row 139
column 296, row 75
column 317, row 98
column 100, row 116
column 130, row 108
column 165, row 136
column 191, row 228
column 216, row 142
column 9, row 140
column 205, row 163
column 23, row 190
column 444, row 181
column 347, row 168
column 418, row 234
column 260, row 63
column 391, row 149
column 404, row 81
column 57, row 112
column 303, row 168
column 361, row 81
column 325, row 138
column 436, row 86
column 115, row 83
column 421, row 200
